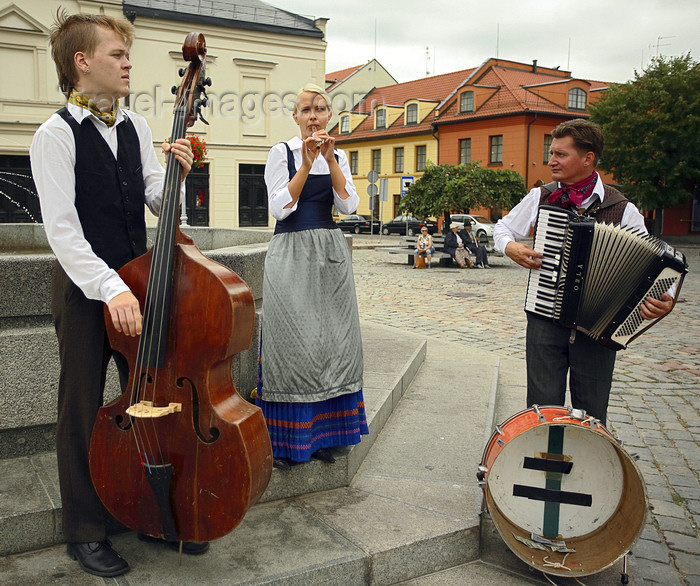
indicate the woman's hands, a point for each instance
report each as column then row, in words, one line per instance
column 319, row 143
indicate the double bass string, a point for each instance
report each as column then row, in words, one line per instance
column 154, row 335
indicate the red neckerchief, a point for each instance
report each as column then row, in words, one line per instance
column 573, row 195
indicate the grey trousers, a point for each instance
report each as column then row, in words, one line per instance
column 550, row 356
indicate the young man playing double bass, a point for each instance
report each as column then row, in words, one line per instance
column 95, row 167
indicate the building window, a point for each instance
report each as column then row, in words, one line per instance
column 547, row 147
column 377, row 160
column 577, row 99
column 398, row 160
column 380, row 118
column 496, row 149
column 466, row 102
column 420, row 158
column 465, row 151
column 353, row 162
column 412, row 114
column 344, row 124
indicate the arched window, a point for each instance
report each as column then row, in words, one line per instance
column 412, row 114
column 380, row 118
column 344, row 124
column 577, row 99
column 466, row 102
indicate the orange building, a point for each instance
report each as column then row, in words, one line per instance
column 500, row 113
column 503, row 114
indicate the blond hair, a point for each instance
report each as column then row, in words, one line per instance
column 75, row 33
column 312, row 88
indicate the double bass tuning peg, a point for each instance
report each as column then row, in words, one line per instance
column 207, row 82
column 181, row 71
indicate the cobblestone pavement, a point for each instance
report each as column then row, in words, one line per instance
column 655, row 403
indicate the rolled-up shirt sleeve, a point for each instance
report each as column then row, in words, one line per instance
column 517, row 224
column 277, row 182
column 349, row 205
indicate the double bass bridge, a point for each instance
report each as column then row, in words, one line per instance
column 147, row 410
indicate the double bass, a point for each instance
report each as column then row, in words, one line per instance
column 180, row 455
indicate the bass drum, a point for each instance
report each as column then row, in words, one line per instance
column 564, row 495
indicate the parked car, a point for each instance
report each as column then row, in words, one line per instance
column 355, row 223
column 481, row 226
column 398, row 225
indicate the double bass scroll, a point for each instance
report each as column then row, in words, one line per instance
column 180, row 455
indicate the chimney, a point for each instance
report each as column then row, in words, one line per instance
column 534, row 66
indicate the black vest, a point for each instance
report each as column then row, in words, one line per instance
column 109, row 192
column 315, row 204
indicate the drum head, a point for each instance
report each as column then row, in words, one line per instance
column 566, row 482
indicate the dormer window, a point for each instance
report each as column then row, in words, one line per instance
column 466, row 102
column 412, row 114
column 577, row 99
column 380, row 118
column 344, row 124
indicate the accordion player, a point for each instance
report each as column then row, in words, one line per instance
column 595, row 276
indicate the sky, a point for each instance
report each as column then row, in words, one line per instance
column 605, row 40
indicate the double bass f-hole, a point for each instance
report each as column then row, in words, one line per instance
column 180, row 455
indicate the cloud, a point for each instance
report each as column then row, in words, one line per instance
column 600, row 40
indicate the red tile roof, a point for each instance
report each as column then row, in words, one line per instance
column 434, row 88
column 335, row 77
column 517, row 89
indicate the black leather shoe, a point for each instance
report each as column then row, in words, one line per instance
column 188, row 547
column 324, row 454
column 98, row 558
column 282, row 463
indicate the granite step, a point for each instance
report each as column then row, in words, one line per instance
column 30, row 506
column 411, row 508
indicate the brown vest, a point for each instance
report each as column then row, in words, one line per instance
column 610, row 210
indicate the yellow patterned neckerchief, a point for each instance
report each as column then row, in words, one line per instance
column 109, row 117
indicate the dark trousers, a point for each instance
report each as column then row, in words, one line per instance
column 550, row 356
column 480, row 253
column 84, row 353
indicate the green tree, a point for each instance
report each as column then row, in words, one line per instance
column 458, row 188
column 651, row 126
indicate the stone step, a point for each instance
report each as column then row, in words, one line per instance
column 412, row 507
column 30, row 513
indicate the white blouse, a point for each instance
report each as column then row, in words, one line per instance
column 277, row 179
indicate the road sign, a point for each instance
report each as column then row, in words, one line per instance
column 372, row 189
column 406, row 181
column 372, row 176
column 384, row 189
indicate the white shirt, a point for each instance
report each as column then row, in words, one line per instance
column 523, row 217
column 53, row 167
column 277, row 179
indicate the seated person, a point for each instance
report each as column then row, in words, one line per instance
column 482, row 260
column 455, row 246
column 424, row 247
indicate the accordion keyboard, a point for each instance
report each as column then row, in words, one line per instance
column 550, row 237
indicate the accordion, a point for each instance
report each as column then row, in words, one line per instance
column 594, row 277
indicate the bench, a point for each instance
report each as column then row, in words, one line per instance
column 408, row 245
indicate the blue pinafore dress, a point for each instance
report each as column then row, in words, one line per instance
column 310, row 371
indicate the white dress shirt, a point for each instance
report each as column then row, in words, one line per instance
column 277, row 179
column 52, row 156
column 523, row 217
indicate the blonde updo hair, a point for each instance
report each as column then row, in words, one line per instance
column 312, row 88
